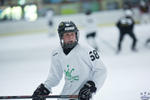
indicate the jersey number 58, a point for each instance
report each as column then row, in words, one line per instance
column 94, row 55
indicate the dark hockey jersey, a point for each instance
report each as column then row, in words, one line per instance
column 126, row 24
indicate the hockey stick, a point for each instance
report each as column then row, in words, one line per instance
column 46, row 96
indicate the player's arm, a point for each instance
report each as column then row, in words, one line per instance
column 98, row 72
column 55, row 75
column 98, row 68
column 133, row 22
column 118, row 24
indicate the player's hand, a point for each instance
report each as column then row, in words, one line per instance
column 40, row 92
column 87, row 90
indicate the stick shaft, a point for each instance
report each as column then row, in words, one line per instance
column 46, row 96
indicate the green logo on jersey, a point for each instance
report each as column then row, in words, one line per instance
column 69, row 75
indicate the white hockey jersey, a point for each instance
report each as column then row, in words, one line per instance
column 80, row 65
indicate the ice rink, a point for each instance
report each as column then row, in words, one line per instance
column 25, row 62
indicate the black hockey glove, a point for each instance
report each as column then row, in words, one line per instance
column 39, row 92
column 87, row 90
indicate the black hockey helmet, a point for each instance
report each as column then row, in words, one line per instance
column 88, row 12
column 67, row 26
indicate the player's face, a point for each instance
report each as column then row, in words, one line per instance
column 69, row 37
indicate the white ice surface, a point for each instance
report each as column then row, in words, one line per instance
column 25, row 62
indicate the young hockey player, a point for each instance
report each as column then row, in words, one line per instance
column 84, row 71
column 126, row 26
column 144, row 12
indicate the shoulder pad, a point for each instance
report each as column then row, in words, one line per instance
column 55, row 53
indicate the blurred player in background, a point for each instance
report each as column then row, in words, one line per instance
column 90, row 29
column 126, row 26
column 144, row 11
column 50, row 20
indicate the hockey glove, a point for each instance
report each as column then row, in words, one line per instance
column 40, row 92
column 87, row 90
